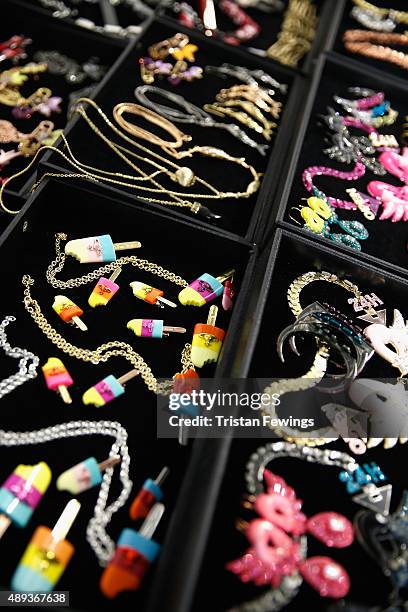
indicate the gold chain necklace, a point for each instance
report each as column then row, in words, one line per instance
column 58, row 263
column 182, row 175
column 103, row 352
column 107, row 350
column 136, row 109
column 205, row 150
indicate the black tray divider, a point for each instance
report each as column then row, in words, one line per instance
column 288, row 171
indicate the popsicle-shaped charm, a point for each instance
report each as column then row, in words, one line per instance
column 57, row 378
column 97, row 249
column 135, row 552
column 47, row 554
column 148, row 495
column 104, row 290
column 68, row 311
column 207, row 341
column 185, row 383
column 21, row 493
column 84, row 475
column 152, row 328
column 204, row 289
column 107, row 389
column 150, row 294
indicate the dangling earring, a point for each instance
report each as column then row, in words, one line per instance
column 318, row 216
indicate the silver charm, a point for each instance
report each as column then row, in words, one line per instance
column 377, row 499
column 63, row 65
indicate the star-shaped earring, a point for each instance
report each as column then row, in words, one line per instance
column 185, row 53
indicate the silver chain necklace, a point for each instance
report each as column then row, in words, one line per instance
column 100, row 542
column 27, row 367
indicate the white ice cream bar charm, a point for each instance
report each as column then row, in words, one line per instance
column 152, row 328
column 84, row 475
column 104, row 290
column 204, row 289
column 97, row 249
column 207, row 340
column 150, row 294
column 107, row 389
column 68, row 311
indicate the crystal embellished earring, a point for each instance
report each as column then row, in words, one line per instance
column 318, row 217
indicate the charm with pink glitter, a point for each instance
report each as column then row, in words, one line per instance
column 328, row 578
column 275, row 540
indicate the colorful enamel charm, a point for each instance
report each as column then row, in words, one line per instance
column 47, row 554
column 203, row 290
column 104, row 290
column 21, row 493
column 107, row 389
column 148, row 495
column 84, row 475
column 207, row 341
column 150, row 294
column 135, row 552
column 68, row 311
column 57, row 378
column 97, row 249
column 152, row 328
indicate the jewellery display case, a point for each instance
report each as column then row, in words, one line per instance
column 261, row 239
column 270, row 23
column 122, row 19
column 385, row 245
column 191, row 583
column 29, row 243
column 237, row 216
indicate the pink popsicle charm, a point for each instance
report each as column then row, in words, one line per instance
column 104, row 290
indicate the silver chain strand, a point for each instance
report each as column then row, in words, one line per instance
column 26, row 370
column 191, row 114
column 100, row 542
column 265, row 454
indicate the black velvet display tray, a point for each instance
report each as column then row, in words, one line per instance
column 348, row 23
column 386, row 244
column 285, row 258
column 28, row 246
column 270, row 24
column 238, row 216
column 48, row 34
column 93, row 11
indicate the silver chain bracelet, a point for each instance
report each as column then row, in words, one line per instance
column 102, row 545
column 26, row 370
